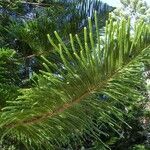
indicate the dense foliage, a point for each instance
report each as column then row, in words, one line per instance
column 82, row 91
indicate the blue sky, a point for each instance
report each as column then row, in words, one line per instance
column 116, row 3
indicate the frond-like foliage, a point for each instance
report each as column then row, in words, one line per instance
column 8, row 77
column 7, row 61
column 94, row 81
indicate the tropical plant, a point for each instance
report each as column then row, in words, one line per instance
column 90, row 89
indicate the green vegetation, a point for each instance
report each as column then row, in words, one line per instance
column 84, row 91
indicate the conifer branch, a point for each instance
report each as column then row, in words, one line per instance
column 44, row 116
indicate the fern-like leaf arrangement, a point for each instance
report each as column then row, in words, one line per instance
column 94, row 81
